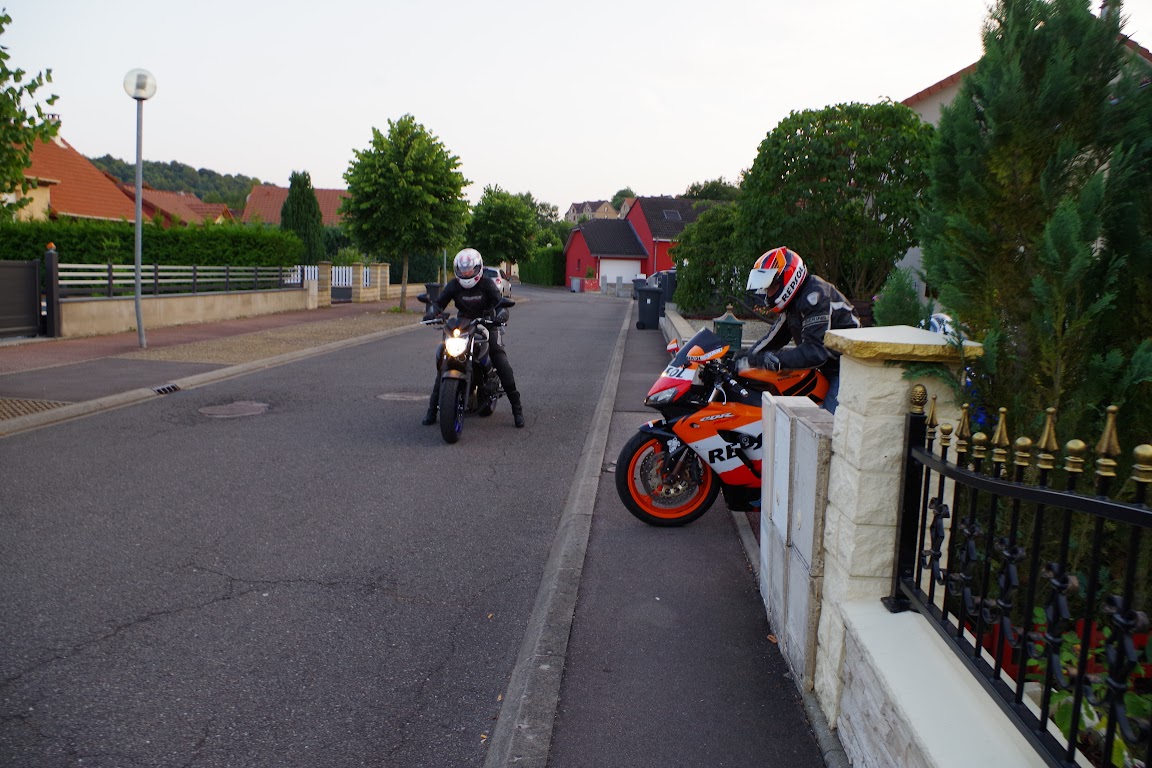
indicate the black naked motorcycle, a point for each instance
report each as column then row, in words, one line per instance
column 468, row 380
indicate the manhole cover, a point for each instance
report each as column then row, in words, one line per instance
column 235, row 410
column 403, row 397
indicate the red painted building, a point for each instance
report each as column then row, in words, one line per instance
column 637, row 244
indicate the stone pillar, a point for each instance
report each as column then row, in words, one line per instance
column 312, row 297
column 385, row 280
column 324, row 288
column 376, row 272
column 865, row 474
column 358, row 283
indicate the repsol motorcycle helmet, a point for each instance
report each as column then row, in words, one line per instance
column 469, row 267
column 775, row 278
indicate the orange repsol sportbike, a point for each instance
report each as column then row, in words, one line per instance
column 710, row 437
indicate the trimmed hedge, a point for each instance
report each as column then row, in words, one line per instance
column 114, row 242
column 546, row 267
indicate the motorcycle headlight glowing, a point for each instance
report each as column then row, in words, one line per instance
column 455, row 345
column 660, row 398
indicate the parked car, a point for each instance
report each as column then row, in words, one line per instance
column 500, row 277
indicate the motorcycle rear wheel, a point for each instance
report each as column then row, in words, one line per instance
column 453, row 399
column 669, row 504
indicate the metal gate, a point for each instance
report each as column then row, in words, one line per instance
column 19, row 298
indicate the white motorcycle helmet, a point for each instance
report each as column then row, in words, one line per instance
column 469, row 267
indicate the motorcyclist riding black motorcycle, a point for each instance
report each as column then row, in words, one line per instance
column 475, row 295
column 785, row 294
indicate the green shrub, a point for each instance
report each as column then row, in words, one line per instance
column 81, row 241
column 545, row 267
column 898, row 302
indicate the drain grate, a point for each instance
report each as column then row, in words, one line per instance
column 11, row 408
column 166, row 389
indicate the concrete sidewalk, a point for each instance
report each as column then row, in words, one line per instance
column 43, row 381
column 671, row 661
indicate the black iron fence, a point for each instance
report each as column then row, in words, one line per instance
column 1037, row 577
column 119, row 279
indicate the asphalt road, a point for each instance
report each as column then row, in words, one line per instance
column 324, row 577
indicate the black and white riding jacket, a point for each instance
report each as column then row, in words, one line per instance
column 817, row 307
column 471, row 302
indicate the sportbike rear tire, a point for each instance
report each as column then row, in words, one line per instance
column 667, row 505
column 452, row 402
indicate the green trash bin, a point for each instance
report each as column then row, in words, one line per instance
column 649, row 301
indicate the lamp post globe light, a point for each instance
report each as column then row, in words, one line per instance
column 140, row 85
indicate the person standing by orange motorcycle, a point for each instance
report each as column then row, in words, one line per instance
column 787, row 295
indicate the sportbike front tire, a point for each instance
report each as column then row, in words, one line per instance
column 647, row 495
column 453, row 398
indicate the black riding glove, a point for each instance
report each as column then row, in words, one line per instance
column 764, row 359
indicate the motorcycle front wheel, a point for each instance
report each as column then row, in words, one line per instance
column 453, row 399
column 652, row 497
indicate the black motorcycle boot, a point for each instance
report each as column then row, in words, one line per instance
column 430, row 416
column 517, row 410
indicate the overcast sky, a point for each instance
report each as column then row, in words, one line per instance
column 568, row 101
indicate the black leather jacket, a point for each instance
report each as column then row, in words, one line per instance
column 471, row 302
column 818, row 306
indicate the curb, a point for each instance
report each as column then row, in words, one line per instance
column 523, row 732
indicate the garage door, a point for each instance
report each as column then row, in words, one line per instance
column 626, row 269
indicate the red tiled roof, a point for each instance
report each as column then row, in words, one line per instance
column 931, row 90
column 82, row 190
column 177, row 205
column 265, row 201
column 954, row 79
column 210, row 211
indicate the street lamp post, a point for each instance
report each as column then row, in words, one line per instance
column 141, row 86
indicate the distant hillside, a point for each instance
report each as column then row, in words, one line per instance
column 209, row 186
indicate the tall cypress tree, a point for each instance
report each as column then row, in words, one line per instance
column 301, row 214
column 1039, row 211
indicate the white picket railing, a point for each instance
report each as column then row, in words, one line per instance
column 341, row 276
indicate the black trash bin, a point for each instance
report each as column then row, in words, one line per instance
column 649, row 306
column 433, row 290
column 667, row 283
column 637, row 284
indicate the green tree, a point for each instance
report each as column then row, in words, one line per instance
column 841, row 187
column 711, row 266
column 1037, row 237
column 208, row 185
column 301, row 214
column 620, row 196
column 406, row 195
column 503, row 226
column 19, row 129
column 717, row 190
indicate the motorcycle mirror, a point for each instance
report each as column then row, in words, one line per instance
column 422, row 298
column 673, row 347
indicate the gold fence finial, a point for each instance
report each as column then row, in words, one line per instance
column 1109, row 446
column 963, row 432
column 1142, row 467
column 979, row 446
column 1023, row 451
column 919, row 397
column 945, row 435
column 1047, row 444
column 1074, row 451
column 1000, row 441
column 933, row 422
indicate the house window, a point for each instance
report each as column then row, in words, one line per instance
column 672, row 215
